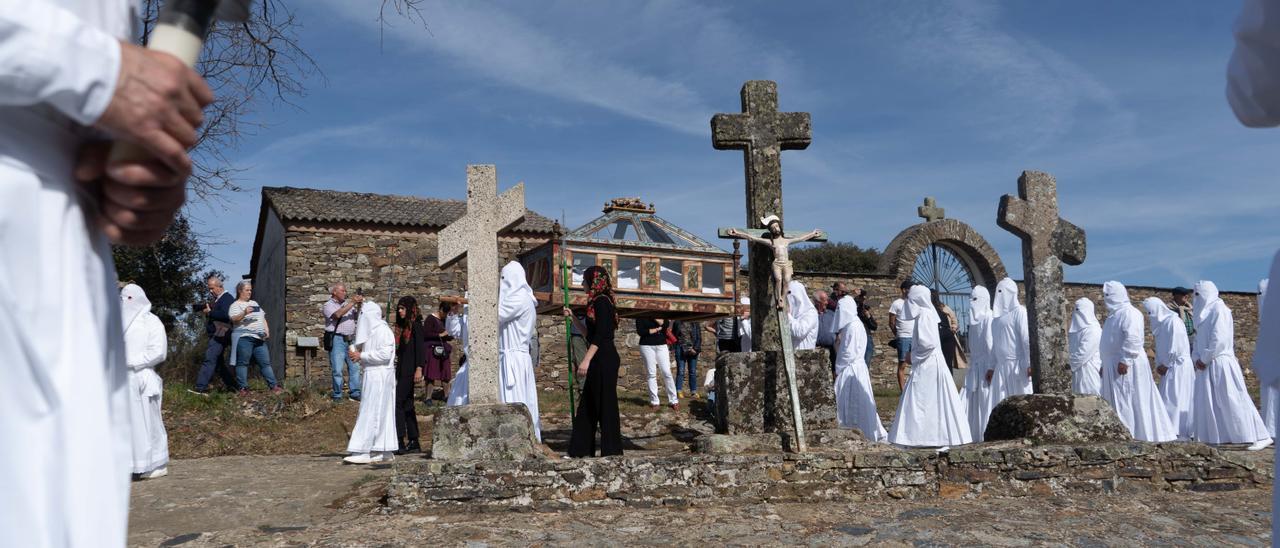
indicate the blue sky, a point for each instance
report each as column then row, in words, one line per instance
column 584, row 101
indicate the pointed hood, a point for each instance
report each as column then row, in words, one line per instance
column 370, row 319
column 798, row 300
column 919, row 301
column 1206, row 295
column 979, row 305
column 1157, row 310
column 1006, row 299
column 1262, row 295
column 1084, row 316
column 133, row 304
column 1115, row 296
column 515, row 291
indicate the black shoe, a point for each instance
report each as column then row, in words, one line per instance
column 413, row 447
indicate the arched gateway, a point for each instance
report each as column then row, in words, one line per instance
column 947, row 255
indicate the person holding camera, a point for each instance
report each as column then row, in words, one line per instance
column 339, row 329
column 218, row 328
column 249, row 339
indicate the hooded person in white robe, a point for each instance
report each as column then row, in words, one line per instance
column 517, row 325
column 803, row 316
column 976, row 394
column 1269, row 394
column 855, row 401
column 1010, row 344
column 373, row 439
column 1126, row 373
column 929, row 413
column 1173, row 356
column 1083, row 338
column 65, row 412
column 745, row 339
column 459, row 389
column 145, row 347
column 1266, row 364
column 1224, row 412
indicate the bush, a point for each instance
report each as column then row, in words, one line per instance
column 836, row 257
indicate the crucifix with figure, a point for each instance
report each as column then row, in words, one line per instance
column 475, row 236
column 1048, row 241
column 762, row 133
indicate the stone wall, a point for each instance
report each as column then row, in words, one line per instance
column 404, row 262
column 876, row 473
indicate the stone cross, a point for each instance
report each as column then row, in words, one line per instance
column 930, row 211
column 1048, row 241
column 475, row 236
column 762, row 133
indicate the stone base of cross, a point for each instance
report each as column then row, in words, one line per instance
column 783, row 319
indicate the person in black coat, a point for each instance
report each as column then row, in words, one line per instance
column 411, row 355
column 598, row 406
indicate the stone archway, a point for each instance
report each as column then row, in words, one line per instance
column 965, row 252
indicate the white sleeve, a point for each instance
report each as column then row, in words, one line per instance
column 381, row 348
column 1253, row 74
column 50, row 56
column 157, row 343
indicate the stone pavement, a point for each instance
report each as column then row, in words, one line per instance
column 314, row 501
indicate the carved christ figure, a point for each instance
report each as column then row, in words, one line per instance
column 782, row 270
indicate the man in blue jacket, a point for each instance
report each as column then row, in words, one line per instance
column 218, row 328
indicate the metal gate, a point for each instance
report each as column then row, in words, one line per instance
column 946, row 274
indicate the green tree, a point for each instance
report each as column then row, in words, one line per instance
column 169, row 271
column 836, row 257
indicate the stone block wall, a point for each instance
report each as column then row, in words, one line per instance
column 873, row 474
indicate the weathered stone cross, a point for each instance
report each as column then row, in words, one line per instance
column 475, row 235
column 1048, row 241
column 930, row 211
column 762, row 133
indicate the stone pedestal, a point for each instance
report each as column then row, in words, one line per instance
column 752, row 395
column 486, row 432
column 1056, row 418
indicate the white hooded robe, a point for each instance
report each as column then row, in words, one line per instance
column 65, row 413
column 1173, row 350
column 803, row 316
column 930, row 413
column 145, row 347
column 1133, row 395
column 744, row 324
column 1083, row 338
column 1224, row 412
column 1266, row 364
column 459, row 389
column 855, row 401
column 517, row 327
column 1010, row 344
column 375, row 428
column 1269, row 393
column 976, row 393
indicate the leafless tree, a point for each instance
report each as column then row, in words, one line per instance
column 246, row 64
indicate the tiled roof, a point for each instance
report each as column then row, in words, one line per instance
column 309, row 204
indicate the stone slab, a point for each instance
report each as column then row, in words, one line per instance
column 827, row 440
column 1055, row 418
column 487, row 432
column 753, row 396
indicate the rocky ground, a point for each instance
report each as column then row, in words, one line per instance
column 314, row 500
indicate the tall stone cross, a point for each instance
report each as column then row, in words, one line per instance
column 475, row 236
column 930, row 211
column 1048, row 241
column 762, row 133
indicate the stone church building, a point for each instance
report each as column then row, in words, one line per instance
column 308, row 239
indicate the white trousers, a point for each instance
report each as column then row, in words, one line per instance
column 657, row 358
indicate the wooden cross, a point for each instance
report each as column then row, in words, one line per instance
column 1048, row 241
column 762, row 133
column 475, row 236
column 930, row 211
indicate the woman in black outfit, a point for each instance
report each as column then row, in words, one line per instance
column 411, row 353
column 598, row 371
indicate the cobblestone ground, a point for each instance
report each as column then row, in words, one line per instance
column 314, row 500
